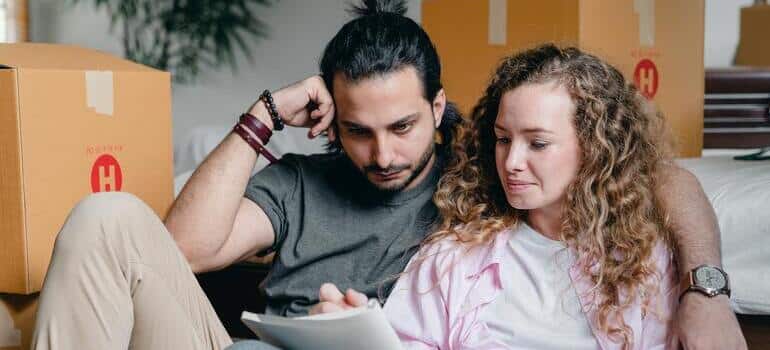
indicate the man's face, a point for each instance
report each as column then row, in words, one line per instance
column 386, row 127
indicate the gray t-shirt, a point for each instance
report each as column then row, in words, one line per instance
column 332, row 225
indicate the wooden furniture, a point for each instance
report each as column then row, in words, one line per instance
column 737, row 108
column 756, row 329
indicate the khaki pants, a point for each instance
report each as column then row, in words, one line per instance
column 118, row 281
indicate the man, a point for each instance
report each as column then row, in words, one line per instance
column 352, row 217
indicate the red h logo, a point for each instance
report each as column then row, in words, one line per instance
column 106, row 175
column 646, row 78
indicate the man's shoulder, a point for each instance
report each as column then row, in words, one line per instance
column 316, row 160
column 314, row 168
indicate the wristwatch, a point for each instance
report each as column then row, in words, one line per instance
column 707, row 280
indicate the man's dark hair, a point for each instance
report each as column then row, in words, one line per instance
column 379, row 41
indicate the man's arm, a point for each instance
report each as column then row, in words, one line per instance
column 701, row 322
column 211, row 222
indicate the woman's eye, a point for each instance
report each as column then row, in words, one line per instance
column 538, row 145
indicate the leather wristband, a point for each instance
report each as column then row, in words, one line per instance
column 257, row 127
column 241, row 131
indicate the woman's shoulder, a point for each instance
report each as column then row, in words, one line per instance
column 439, row 253
column 463, row 257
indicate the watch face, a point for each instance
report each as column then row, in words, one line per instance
column 709, row 277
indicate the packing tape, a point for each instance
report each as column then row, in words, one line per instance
column 646, row 11
column 100, row 92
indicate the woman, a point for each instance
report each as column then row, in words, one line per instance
column 551, row 237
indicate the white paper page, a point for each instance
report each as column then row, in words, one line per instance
column 363, row 328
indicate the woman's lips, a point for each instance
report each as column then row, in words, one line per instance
column 517, row 185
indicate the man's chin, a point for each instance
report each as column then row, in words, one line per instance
column 391, row 186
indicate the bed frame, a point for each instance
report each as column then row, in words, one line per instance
column 736, row 106
column 756, row 329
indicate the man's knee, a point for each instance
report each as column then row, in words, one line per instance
column 108, row 202
column 88, row 218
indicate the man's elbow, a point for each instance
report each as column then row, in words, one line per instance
column 197, row 258
column 200, row 262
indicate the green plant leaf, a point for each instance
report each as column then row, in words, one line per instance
column 186, row 37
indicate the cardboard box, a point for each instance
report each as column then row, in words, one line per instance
column 17, row 321
column 657, row 44
column 72, row 122
column 755, row 28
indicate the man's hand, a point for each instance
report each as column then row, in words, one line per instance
column 704, row 323
column 306, row 103
column 332, row 300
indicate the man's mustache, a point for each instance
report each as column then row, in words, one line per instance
column 373, row 168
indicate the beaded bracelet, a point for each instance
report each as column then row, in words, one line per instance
column 267, row 98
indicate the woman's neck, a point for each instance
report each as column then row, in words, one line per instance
column 547, row 221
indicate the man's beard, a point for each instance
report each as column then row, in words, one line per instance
column 392, row 189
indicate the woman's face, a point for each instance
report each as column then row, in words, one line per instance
column 537, row 151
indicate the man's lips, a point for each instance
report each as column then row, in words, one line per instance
column 387, row 175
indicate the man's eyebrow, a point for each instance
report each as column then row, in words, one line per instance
column 404, row 120
column 352, row 125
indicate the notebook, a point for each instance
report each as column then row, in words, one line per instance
column 354, row 329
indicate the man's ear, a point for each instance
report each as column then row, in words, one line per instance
column 438, row 105
column 331, row 132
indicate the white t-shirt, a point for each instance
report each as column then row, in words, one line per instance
column 537, row 308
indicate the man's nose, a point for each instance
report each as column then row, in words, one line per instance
column 383, row 152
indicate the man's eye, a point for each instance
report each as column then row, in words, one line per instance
column 357, row 131
column 402, row 128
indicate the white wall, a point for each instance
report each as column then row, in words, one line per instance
column 299, row 30
column 722, row 31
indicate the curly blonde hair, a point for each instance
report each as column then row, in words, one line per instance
column 611, row 218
